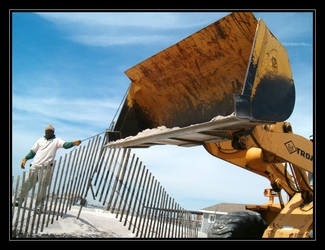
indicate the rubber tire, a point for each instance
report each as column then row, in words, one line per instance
column 238, row 225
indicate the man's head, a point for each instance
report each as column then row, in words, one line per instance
column 49, row 131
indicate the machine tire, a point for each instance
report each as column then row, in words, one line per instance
column 241, row 224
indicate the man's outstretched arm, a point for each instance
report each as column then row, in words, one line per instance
column 67, row 145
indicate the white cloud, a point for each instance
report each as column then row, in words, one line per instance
column 289, row 26
column 109, row 40
column 120, row 28
column 156, row 20
column 90, row 111
column 113, row 19
column 296, row 44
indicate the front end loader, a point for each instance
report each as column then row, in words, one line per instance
column 229, row 88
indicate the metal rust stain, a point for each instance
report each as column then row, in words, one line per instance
column 193, row 80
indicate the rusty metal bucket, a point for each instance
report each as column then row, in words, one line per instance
column 234, row 65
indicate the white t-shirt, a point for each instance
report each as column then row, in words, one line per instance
column 45, row 151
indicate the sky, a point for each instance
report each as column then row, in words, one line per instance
column 68, row 71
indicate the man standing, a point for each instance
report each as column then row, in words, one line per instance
column 44, row 151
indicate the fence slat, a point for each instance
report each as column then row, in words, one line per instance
column 72, row 180
column 153, row 211
column 160, row 214
column 125, row 186
column 34, row 178
column 156, row 216
column 104, row 170
column 111, row 178
column 15, row 196
column 48, row 195
column 63, row 187
column 120, row 181
column 132, row 194
column 140, row 205
column 130, row 188
column 20, row 200
column 100, row 158
column 116, row 180
column 23, row 213
column 43, row 184
column 53, row 191
column 81, row 168
column 150, row 198
column 85, row 168
column 136, row 196
column 69, row 183
column 58, row 189
column 66, row 181
column 107, row 174
column 37, row 199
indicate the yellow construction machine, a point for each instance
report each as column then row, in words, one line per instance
column 228, row 87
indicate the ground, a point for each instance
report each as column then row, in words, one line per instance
column 93, row 223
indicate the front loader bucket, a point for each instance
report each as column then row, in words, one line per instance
column 234, row 65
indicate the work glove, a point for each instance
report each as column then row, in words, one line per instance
column 76, row 143
column 23, row 162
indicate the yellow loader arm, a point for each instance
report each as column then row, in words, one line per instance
column 269, row 150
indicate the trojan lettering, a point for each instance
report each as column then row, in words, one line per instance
column 304, row 154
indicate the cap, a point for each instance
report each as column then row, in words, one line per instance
column 49, row 127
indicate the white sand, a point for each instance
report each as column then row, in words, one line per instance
column 164, row 129
column 147, row 132
column 93, row 223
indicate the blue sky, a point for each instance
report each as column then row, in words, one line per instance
column 68, row 70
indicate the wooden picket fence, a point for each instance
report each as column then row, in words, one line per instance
column 112, row 176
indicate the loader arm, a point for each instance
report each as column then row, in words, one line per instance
column 267, row 150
